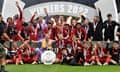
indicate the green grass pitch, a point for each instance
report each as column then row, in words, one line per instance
column 61, row 68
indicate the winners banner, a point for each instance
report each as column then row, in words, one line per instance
column 54, row 7
column 60, row 8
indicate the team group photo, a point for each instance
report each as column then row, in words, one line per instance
column 59, row 35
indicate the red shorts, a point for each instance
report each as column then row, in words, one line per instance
column 30, row 59
column 103, row 59
column 12, row 61
column 27, row 60
column 59, row 55
column 88, row 59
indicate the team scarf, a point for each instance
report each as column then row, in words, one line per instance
column 61, row 43
column 74, row 44
column 95, row 26
column 46, row 44
column 100, row 52
column 35, row 30
column 28, row 50
column 79, row 34
column 87, row 29
column 85, row 52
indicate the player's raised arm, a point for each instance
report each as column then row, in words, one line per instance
column 69, row 19
column 82, row 16
column 32, row 18
column 47, row 16
column 45, row 10
column 100, row 15
column 20, row 11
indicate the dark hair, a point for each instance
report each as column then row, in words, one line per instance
column 50, row 22
column 25, row 24
column 116, row 42
column 77, row 24
column 96, row 16
column 65, row 49
column 67, row 25
column 37, row 18
column 109, row 15
column 9, row 18
column 16, row 16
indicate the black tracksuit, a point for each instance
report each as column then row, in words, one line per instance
column 109, row 29
column 74, row 61
column 2, row 30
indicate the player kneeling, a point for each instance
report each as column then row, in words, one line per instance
column 101, row 54
column 88, row 54
column 114, row 52
column 12, row 57
column 27, row 54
